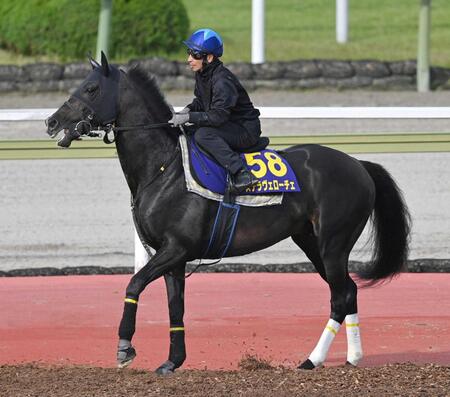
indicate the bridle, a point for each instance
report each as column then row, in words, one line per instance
column 84, row 126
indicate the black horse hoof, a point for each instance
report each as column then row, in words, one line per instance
column 307, row 364
column 167, row 368
column 125, row 357
column 349, row 364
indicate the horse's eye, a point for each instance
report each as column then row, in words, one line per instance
column 91, row 88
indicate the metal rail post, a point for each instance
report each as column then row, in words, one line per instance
column 104, row 28
column 341, row 21
column 258, row 31
column 423, row 50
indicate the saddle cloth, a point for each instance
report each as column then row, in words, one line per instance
column 192, row 185
column 274, row 173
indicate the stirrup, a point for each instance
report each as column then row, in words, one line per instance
column 240, row 189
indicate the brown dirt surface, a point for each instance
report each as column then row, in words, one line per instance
column 254, row 378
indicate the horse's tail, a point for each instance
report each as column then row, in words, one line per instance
column 391, row 228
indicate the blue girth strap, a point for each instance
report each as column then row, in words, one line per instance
column 223, row 230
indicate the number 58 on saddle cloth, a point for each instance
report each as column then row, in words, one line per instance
column 274, row 173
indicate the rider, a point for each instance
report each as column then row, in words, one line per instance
column 222, row 113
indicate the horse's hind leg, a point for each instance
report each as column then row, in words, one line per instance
column 332, row 263
column 308, row 242
column 175, row 296
column 337, row 283
column 354, row 346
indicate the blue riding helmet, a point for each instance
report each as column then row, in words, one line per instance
column 206, row 41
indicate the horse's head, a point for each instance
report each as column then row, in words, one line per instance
column 93, row 105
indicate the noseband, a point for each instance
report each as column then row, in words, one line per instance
column 82, row 127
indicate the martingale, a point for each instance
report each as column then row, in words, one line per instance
column 273, row 171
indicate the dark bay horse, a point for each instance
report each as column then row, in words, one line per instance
column 339, row 194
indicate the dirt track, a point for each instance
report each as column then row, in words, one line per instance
column 389, row 380
column 404, row 326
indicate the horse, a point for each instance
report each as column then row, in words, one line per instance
column 339, row 195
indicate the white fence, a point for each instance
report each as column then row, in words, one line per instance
column 272, row 112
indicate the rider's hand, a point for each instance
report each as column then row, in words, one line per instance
column 179, row 119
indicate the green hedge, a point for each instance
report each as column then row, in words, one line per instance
column 68, row 28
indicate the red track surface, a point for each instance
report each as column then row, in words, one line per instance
column 74, row 320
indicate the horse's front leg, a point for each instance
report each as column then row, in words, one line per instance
column 175, row 296
column 167, row 258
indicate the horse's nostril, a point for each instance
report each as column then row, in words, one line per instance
column 51, row 123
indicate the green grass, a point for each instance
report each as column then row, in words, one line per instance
column 305, row 29
column 9, row 58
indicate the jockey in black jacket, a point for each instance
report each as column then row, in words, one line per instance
column 222, row 113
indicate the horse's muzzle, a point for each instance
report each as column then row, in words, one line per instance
column 70, row 134
column 53, row 126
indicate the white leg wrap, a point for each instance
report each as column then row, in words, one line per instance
column 319, row 354
column 354, row 348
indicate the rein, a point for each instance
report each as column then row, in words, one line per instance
column 110, row 128
column 142, row 127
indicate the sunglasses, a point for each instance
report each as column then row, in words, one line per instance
column 195, row 54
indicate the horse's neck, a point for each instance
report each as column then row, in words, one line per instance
column 141, row 152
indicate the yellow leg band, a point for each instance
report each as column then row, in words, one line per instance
column 331, row 329
column 352, row 325
column 129, row 300
column 176, row 329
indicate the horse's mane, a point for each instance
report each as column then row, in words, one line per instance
column 153, row 98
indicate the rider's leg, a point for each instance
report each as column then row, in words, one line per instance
column 218, row 143
column 221, row 144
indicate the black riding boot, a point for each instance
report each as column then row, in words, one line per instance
column 242, row 180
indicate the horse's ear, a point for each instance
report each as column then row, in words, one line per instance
column 105, row 65
column 92, row 61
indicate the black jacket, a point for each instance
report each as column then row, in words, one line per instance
column 220, row 97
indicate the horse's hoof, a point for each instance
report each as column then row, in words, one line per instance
column 307, row 364
column 125, row 357
column 349, row 364
column 167, row 368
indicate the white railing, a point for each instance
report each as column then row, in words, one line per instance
column 273, row 112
